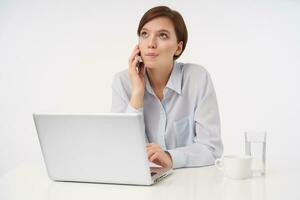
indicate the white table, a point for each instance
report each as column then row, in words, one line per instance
column 30, row 181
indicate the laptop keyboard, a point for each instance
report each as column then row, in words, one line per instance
column 153, row 173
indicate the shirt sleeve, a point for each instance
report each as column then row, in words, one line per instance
column 207, row 144
column 121, row 98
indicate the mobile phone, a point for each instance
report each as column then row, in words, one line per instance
column 139, row 64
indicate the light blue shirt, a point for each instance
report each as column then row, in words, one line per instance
column 186, row 122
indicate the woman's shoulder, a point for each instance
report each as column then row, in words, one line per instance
column 194, row 79
column 121, row 76
column 193, row 70
column 121, row 80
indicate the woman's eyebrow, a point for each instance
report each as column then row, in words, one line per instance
column 161, row 30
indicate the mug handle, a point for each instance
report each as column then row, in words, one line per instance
column 218, row 164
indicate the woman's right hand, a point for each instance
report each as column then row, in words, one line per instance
column 137, row 80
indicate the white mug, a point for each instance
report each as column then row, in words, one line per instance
column 235, row 167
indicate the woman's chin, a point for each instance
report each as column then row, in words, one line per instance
column 150, row 65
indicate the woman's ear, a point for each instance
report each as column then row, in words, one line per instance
column 179, row 48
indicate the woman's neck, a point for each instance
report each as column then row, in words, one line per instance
column 159, row 77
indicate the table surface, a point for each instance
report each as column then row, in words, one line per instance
column 30, row 181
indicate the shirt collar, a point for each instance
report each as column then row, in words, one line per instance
column 174, row 82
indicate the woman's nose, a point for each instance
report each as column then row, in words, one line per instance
column 152, row 42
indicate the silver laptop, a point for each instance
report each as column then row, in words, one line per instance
column 102, row 148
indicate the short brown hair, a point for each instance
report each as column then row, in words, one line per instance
column 174, row 16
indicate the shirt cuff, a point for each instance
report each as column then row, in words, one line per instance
column 131, row 109
column 178, row 158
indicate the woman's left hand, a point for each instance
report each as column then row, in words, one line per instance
column 158, row 156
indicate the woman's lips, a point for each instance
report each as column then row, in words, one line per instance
column 151, row 55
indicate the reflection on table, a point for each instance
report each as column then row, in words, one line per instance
column 30, row 181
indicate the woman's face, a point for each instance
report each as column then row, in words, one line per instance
column 158, row 43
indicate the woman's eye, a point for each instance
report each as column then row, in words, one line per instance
column 163, row 36
column 143, row 34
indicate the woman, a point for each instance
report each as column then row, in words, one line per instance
column 177, row 100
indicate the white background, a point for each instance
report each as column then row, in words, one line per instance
column 60, row 56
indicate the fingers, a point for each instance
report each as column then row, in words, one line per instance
column 158, row 156
column 152, row 145
column 154, row 157
column 151, row 151
column 134, row 56
column 132, row 66
column 135, row 52
column 154, row 149
column 132, row 62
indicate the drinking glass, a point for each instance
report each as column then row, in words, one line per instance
column 255, row 146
